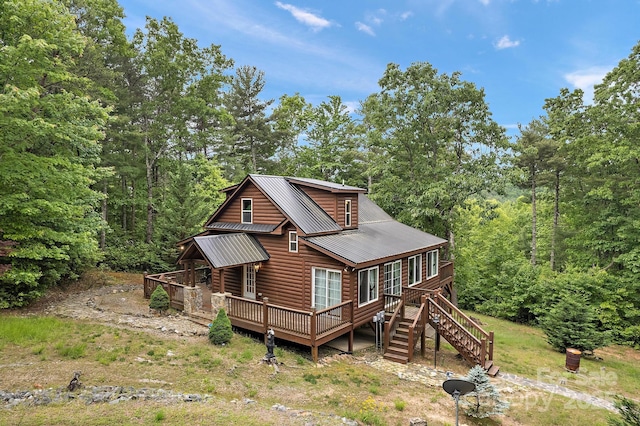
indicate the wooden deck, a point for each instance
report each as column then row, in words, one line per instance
column 309, row 328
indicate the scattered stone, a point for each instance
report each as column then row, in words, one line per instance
column 417, row 422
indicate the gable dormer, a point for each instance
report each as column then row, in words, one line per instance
column 339, row 201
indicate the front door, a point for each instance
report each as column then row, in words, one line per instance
column 249, row 282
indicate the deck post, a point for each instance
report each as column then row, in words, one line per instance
column 491, row 346
column 265, row 316
column 402, row 299
column 351, row 331
column 423, row 323
column 312, row 335
column 483, row 351
column 221, row 275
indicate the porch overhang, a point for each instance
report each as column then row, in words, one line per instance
column 226, row 250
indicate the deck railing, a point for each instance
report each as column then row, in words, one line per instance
column 416, row 329
column 310, row 328
column 460, row 331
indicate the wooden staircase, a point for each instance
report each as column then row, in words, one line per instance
column 398, row 348
column 467, row 337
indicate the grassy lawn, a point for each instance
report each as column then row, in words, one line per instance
column 43, row 352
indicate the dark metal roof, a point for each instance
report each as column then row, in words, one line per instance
column 243, row 227
column 374, row 241
column 296, row 205
column 331, row 186
column 230, row 249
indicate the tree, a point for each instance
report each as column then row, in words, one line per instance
column 485, row 400
column 169, row 65
column 49, row 150
column 435, row 145
column 333, row 150
column 251, row 141
column 159, row 299
column 572, row 323
column 220, row 332
column 629, row 412
column 534, row 149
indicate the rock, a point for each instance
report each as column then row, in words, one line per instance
column 417, row 422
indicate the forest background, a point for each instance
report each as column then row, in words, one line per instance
column 112, row 149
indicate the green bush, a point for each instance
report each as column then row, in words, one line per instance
column 159, row 299
column 220, row 332
column 572, row 323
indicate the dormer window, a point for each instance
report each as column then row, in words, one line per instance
column 293, row 241
column 247, row 210
column 347, row 213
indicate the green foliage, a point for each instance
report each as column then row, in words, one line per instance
column 572, row 323
column 159, row 299
column 485, row 400
column 220, row 332
column 49, row 151
column 433, row 144
column 629, row 412
column 124, row 254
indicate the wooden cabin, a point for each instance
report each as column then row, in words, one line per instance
column 314, row 260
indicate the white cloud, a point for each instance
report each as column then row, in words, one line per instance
column 585, row 80
column 316, row 22
column 365, row 28
column 485, row 2
column 505, row 43
column 406, row 15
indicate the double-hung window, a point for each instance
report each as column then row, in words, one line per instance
column 347, row 213
column 415, row 269
column 247, row 210
column 293, row 241
column 367, row 285
column 327, row 288
column 432, row 263
column 392, row 277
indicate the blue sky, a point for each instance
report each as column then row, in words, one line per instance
column 519, row 51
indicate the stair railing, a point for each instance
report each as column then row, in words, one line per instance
column 392, row 323
column 417, row 328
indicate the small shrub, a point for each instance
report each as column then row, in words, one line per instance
column 159, row 299
column 629, row 412
column 221, row 332
column 399, row 404
column 485, row 400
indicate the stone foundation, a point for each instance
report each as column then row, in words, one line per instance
column 192, row 299
column 218, row 302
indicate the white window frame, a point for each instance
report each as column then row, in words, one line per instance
column 393, row 277
column 370, row 272
column 347, row 213
column 432, row 263
column 417, row 269
column 327, row 294
column 243, row 210
column 293, row 241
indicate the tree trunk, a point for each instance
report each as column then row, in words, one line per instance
column 533, row 219
column 149, row 172
column 556, row 216
column 103, row 231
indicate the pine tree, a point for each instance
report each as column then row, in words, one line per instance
column 485, row 400
column 220, row 332
column 159, row 299
column 572, row 323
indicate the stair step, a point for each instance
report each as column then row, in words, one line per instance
column 396, row 358
column 488, row 364
column 200, row 318
column 493, row 371
column 398, row 351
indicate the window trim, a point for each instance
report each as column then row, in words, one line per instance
column 429, row 263
column 293, row 243
column 419, row 270
column 348, row 213
column 243, row 210
column 392, row 264
column 377, row 275
column 313, row 284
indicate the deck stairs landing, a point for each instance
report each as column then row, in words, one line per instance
column 467, row 337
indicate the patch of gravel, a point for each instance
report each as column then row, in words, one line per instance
column 123, row 306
